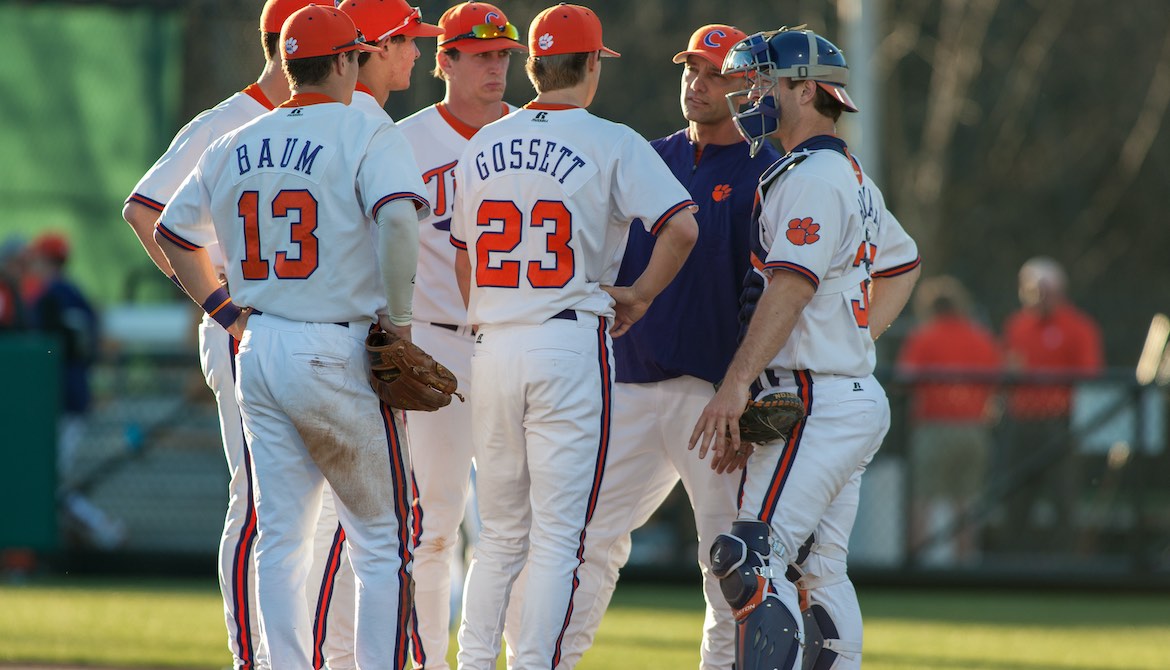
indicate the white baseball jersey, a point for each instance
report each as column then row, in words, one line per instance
column 545, row 199
column 163, row 179
column 438, row 139
column 825, row 220
column 262, row 186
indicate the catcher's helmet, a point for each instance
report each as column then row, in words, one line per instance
column 767, row 56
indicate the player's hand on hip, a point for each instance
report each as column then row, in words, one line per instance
column 236, row 330
column 402, row 332
column 718, row 427
column 628, row 308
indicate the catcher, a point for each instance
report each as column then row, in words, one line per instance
column 406, row 377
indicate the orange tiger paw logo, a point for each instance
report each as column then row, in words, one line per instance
column 721, row 192
column 803, row 231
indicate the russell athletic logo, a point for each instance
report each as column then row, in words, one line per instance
column 545, row 42
column 709, row 39
column 803, row 231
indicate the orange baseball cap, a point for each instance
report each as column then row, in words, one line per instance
column 320, row 31
column 478, row 27
column 711, row 42
column 276, row 12
column 379, row 19
column 566, row 29
column 51, row 245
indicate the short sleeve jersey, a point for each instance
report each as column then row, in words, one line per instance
column 825, row 220
column 292, row 197
column 438, row 139
column 546, row 197
column 158, row 185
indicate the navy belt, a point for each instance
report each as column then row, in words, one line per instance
column 343, row 324
column 567, row 314
column 446, row 326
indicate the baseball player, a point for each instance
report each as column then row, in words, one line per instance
column 545, row 200
column 475, row 49
column 391, row 26
column 662, row 388
column 314, row 206
column 216, row 347
column 833, row 268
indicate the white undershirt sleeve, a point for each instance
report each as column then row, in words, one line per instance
column 398, row 257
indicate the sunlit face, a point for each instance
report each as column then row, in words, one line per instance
column 704, row 92
column 402, row 54
column 482, row 76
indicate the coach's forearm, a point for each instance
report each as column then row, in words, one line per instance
column 671, row 248
column 398, row 257
column 142, row 219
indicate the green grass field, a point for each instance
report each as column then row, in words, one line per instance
column 173, row 624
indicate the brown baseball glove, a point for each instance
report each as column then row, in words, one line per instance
column 770, row 418
column 406, row 377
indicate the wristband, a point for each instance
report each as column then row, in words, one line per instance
column 220, row 307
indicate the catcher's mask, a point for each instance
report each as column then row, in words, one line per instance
column 766, row 57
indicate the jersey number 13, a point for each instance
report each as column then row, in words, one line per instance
column 300, row 208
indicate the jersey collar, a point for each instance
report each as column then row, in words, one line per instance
column 306, row 99
column 465, row 130
column 256, row 93
column 832, row 143
column 549, row 106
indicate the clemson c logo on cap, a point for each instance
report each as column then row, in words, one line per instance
column 491, row 17
column 707, row 41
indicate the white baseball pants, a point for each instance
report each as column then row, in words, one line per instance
column 541, row 420
column 310, row 415
column 811, row 485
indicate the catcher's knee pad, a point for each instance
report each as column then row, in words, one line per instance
column 822, row 643
column 740, row 561
column 767, row 638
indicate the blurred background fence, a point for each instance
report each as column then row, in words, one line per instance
column 1082, row 500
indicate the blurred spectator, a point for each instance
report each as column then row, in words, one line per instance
column 57, row 306
column 950, row 441
column 12, row 313
column 1048, row 335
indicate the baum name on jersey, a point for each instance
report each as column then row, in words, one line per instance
column 290, row 155
column 537, row 156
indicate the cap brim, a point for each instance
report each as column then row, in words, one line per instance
column 471, row 45
column 839, row 93
column 420, row 29
column 606, row 52
column 362, row 46
column 681, row 57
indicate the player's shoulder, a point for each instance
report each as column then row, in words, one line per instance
column 423, row 117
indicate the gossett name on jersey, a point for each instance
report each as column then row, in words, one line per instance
column 546, row 197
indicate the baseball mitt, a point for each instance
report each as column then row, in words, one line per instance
column 770, row 418
column 406, row 377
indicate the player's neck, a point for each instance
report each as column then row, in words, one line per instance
column 718, row 134
column 273, row 83
column 381, row 92
column 803, row 130
column 578, row 96
column 475, row 113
